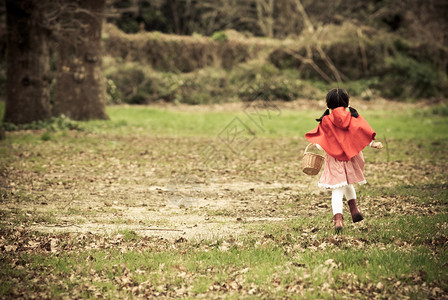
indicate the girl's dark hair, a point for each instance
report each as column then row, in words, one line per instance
column 337, row 98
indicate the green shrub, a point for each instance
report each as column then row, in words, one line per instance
column 128, row 24
column 266, row 79
column 113, row 94
column 46, row 136
column 126, row 79
column 408, row 78
column 131, row 83
column 364, row 88
column 441, row 110
column 52, row 124
column 219, row 36
column 167, row 87
column 144, row 93
column 137, row 99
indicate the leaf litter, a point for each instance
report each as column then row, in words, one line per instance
column 68, row 203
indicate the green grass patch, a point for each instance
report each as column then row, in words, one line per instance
column 431, row 193
column 270, row 269
column 398, row 125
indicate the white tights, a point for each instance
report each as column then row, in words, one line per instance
column 337, row 194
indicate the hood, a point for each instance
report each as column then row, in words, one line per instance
column 340, row 118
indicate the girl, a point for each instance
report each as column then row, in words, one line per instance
column 342, row 134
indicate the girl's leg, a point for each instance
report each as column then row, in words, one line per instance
column 336, row 204
column 336, row 200
column 349, row 192
column 350, row 195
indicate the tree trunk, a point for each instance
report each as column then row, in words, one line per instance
column 28, row 68
column 80, row 86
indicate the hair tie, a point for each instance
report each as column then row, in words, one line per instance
column 348, row 106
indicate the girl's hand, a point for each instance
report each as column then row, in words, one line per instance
column 377, row 145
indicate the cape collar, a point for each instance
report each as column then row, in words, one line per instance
column 341, row 135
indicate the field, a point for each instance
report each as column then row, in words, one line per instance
column 210, row 202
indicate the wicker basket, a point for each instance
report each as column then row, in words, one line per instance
column 312, row 162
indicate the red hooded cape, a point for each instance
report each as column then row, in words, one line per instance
column 341, row 135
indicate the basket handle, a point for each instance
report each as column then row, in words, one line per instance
column 306, row 149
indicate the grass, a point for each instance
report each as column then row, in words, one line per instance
column 146, row 120
column 279, row 242
column 260, row 266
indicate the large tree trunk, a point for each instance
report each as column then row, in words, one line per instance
column 80, row 86
column 28, row 68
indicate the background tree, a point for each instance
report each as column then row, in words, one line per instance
column 28, row 68
column 80, row 86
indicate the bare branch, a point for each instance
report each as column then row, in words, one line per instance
column 309, row 61
column 306, row 19
column 314, row 33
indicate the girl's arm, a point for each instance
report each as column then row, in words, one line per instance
column 319, row 147
column 376, row 145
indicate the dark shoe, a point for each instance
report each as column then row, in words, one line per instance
column 338, row 223
column 354, row 210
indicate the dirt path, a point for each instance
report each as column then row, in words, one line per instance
column 189, row 210
column 198, row 210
